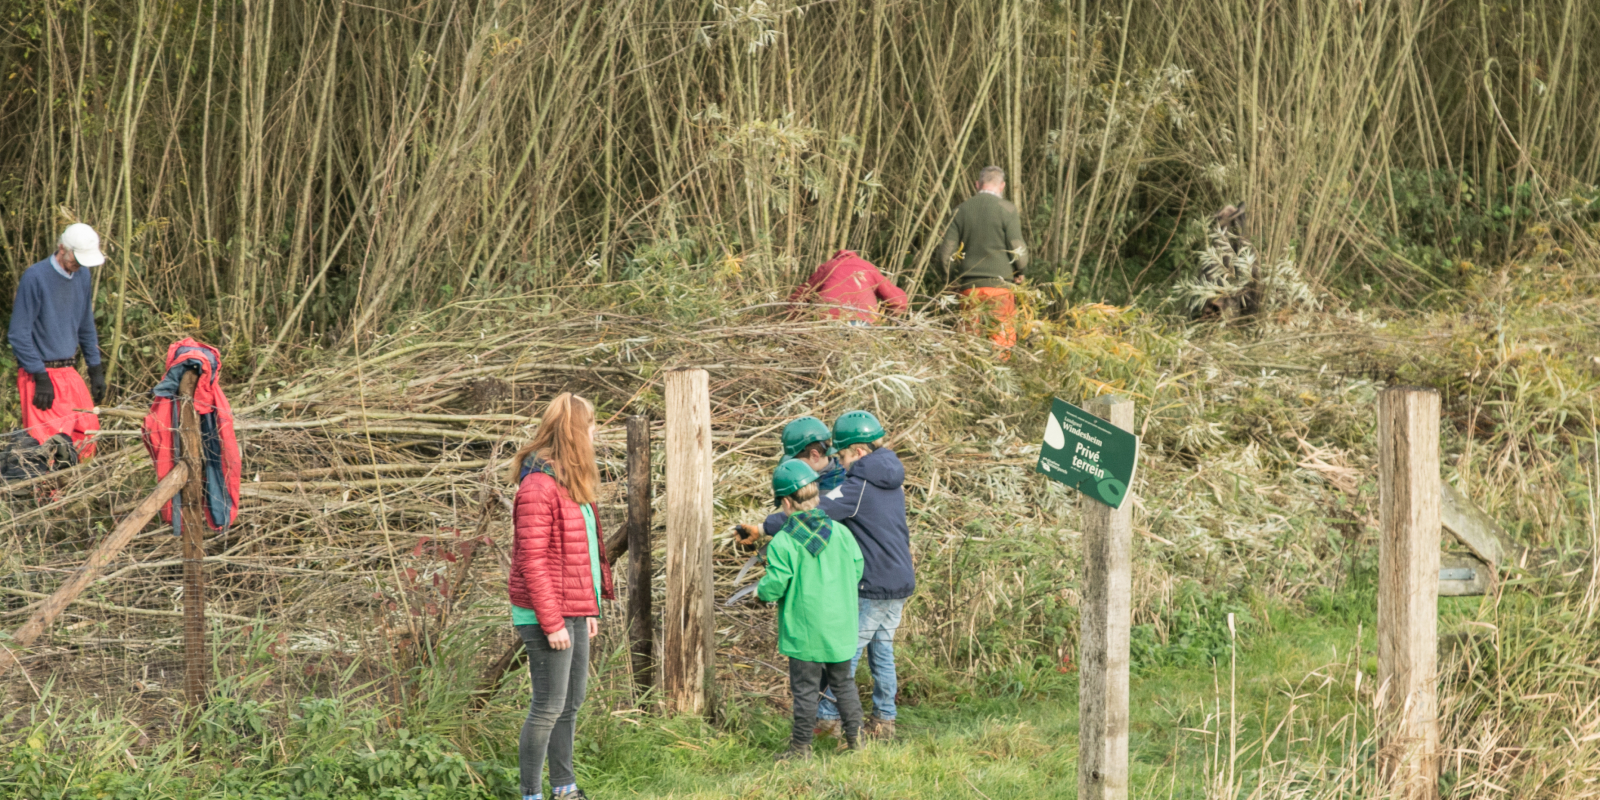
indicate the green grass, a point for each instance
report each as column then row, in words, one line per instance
column 1016, row 747
column 1026, row 747
column 1291, row 693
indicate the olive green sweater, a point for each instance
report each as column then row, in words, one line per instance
column 983, row 246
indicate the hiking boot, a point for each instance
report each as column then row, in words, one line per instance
column 794, row 752
column 828, row 727
column 882, row 729
column 851, row 745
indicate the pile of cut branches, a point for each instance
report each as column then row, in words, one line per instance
column 374, row 482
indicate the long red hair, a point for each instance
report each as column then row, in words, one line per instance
column 563, row 440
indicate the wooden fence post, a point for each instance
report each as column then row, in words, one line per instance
column 641, row 617
column 191, row 524
column 1408, row 587
column 1106, row 624
column 686, row 659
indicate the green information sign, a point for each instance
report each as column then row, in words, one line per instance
column 1088, row 453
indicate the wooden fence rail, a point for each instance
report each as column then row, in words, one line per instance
column 94, row 566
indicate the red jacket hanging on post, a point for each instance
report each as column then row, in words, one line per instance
column 853, row 287
column 221, row 448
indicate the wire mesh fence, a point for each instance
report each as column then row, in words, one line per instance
column 352, row 582
column 308, row 603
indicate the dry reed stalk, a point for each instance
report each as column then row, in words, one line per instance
column 441, row 155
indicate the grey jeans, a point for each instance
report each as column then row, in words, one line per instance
column 807, row 679
column 559, row 680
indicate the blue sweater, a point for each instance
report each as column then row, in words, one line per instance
column 53, row 317
column 827, row 480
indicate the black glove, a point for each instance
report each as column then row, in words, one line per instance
column 97, row 382
column 44, row 392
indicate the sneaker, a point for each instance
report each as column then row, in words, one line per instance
column 575, row 794
column 793, row 752
column 879, row 729
column 828, row 727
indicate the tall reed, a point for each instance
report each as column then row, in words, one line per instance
column 278, row 168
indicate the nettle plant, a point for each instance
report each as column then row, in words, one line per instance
column 427, row 590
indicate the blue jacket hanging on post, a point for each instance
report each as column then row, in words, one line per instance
column 220, row 447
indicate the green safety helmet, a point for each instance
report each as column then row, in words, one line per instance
column 791, row 476
column 856, row 427
column 802, row 433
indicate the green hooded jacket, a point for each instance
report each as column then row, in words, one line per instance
column 813, row 571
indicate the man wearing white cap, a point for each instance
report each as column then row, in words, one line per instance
column 52, row 321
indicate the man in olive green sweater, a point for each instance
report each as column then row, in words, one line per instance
column 983, row 253
column 813, row 568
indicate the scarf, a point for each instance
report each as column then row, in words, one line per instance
column 811, row 528
column 536, row 464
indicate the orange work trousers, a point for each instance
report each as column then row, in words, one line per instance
column 990, row 311
column 63, row 416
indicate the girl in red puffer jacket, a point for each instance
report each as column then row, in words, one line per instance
column 558, row 576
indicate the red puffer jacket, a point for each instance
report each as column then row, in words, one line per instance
column 853, row 287
column 550, row 554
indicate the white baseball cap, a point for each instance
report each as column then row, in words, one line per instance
column 84, row 244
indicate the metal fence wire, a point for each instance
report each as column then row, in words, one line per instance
column 342, row 571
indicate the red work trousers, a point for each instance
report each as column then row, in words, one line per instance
column 64, row 416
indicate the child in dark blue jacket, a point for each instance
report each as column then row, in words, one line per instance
column 872, row 505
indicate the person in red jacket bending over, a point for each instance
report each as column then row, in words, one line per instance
column 852, row 289
column 558, row 576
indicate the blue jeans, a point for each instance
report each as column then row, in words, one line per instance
column 879, row 620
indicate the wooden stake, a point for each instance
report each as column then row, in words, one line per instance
column 641, row 616
column 93, row 566
column 686, row 658
column 1106, row 624
column 191, row 525
column 1408, row 587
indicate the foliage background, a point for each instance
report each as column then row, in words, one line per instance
column 297, row 170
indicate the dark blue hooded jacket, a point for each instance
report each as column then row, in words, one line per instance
column 872, row 504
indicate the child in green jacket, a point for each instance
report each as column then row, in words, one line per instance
column 813, row 568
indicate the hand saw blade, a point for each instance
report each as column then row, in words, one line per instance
column 740, row 595
column 748, row 565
